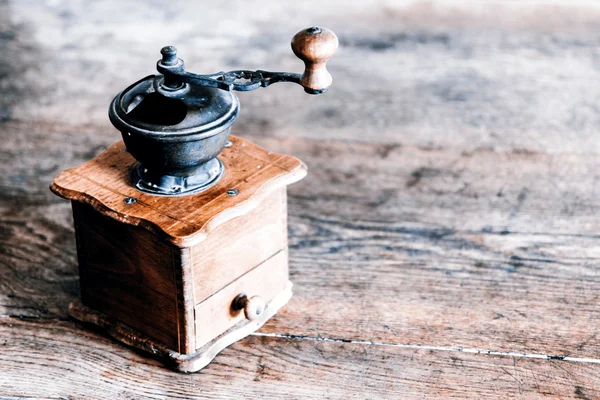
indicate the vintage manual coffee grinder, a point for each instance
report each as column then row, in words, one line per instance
column 182, row 229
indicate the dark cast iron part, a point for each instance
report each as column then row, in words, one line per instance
column 241, row 80
column 175, row 124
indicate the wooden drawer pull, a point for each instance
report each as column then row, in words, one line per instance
column 253, row 307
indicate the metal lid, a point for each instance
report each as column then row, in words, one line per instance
column 150, row 108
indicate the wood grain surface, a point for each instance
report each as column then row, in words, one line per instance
column 234, row 248
column 314, row 46
column 129, row 274
column 104, row 183
column 444, row 244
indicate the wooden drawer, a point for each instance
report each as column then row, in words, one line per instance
column 215, row 315
column 239, row 245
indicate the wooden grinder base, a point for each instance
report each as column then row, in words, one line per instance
column 161, row 273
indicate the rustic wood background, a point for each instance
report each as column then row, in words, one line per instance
column 444, row 244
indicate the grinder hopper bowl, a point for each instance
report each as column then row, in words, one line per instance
column 181, row 228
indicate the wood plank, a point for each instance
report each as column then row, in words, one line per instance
column 497, row 250
column 38, row 262
column 402, row 245
column 452, row 73
column 61, row 359
column 442, row 247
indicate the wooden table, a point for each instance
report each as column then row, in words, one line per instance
column 444, row 243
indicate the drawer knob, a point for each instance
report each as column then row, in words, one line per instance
column 253, row 306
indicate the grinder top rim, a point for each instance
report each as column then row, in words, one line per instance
column 187, row 113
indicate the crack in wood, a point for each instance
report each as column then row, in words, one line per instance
column 434, row 348
column 548, row 357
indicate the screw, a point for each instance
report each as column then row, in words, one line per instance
column 232, row 192
column 129, row 200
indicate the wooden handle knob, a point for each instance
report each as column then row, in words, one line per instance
column 253, row 307
column 315, row 46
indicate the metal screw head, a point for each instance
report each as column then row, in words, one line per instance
column 129, row 200
column 232, row 192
